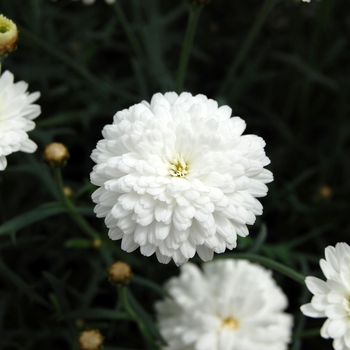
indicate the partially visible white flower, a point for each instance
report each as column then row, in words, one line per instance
column 17, row 112
column 177, row 177
column 332, row 297
column 231, row 305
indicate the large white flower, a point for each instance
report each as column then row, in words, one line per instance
column 176, row 176
column 17, row 112
column 231, row 305
column 332, row 297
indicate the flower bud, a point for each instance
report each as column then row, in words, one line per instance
column 8, row 35
column 90, row 340
column 97, row 243
column 119, row 273
column 67, row 191
column 56, row 155
column 323, row 193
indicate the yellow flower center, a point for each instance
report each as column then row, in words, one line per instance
column 229, row 324
column 178, row 167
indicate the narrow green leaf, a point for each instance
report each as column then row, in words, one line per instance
column 147, row 320
column 96, row 313
column 17, row 281
column 29, row 218
column 78, row 243
column 151, row 285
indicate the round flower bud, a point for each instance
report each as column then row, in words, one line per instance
column 97, row 243
column 119, row 273
column 8, row 35
column 67, row 191
column 90, row 340
column 56, row 155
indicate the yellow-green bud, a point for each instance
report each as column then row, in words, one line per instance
column 119, row 273
column 97, row 243
column 56, row 155
column 8, row 35
column 90, row 339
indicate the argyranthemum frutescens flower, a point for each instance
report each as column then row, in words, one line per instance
column 17, row 112
column 230, row 305
column 176, row 176
column 332, row 297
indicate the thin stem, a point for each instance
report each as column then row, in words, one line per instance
column 71, row 209
column 102, row 88
column 186, row 47
column 241, row 55
column 127, row 28
column 284, row 270
column 130, row 311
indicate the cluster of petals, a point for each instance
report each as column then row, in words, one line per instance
column 17, row 112
column 332, row 297
column 176, row 176
column 230, row 305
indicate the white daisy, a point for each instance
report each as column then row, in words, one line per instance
column 17, row 112
column 176, row 176
column 231, row 305
column 332, row 297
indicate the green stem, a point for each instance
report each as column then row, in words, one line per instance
column 102, row 88
column 284, row 270
column 130, row 311
column 71, row 209
column 308, row 333
column 186, row 47
column 254, row 31
column 127, row 28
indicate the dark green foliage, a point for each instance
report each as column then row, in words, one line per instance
column 292, row 88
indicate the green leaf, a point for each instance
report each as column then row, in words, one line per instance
column 78, row 243
column 17, row 281
column 96, row 313
column 30, row 217
column 151, row 285
column 147, row 320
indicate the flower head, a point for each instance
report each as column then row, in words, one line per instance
column 231, row 304
column 332, row 297
column 119, row 273
column 177, row 177
column 90, row 339
column 8, row 35
column 17, row 112
column 56, row 155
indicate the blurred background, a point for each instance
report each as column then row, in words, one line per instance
column 291, row 86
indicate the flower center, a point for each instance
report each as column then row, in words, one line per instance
column 5, row 25
column 178, row 167
column 229, row 324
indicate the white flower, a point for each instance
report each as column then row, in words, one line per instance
column 177, row 177
column 332, row 297
column 231, row 305
column 16, row 117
